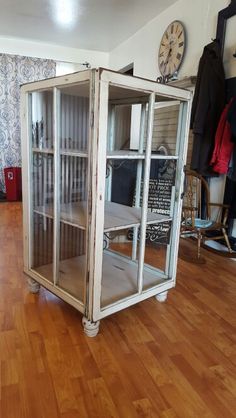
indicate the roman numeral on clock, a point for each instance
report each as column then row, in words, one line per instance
column 171, row 49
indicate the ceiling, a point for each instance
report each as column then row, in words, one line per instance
column 87, row 24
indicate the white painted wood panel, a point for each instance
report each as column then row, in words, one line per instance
column 116, row 216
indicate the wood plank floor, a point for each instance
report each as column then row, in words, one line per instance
column 176, row 359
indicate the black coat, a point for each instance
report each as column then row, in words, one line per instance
column 208, row 104
column 232, row 120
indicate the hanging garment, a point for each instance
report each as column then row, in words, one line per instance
column 230, row 197
column 232, row 166
column 232, row 120
column 223, row 144
column 208, row 104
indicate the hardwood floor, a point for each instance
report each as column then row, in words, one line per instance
column 176, row 359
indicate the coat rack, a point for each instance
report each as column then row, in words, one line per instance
column 223, row 16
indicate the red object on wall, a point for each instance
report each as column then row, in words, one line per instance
column 13, row 183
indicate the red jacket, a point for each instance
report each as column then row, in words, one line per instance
column 223, row 145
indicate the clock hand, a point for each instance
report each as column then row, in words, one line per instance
column 167, row 58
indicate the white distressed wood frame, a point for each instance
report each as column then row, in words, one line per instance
column 99, row 196
column 92, row 192
column 59, row 82
column 145, row 86
column 110, row 148
column 58, row 291
column 147, row 165
column 96, row 218
column 100, row 80
column 170, row 255
column 133, row 299
column 139, row 177
column 89, row 157
column 26, row 186
column 182, row 145
column 27, row 183
column 56, row 199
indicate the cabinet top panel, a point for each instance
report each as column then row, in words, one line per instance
column 133, row 87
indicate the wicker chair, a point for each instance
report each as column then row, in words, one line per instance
column 199, row 219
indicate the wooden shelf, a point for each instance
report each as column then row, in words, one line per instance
column 135, row 155
column 74, row 153
column 119, row 277
column 111, row 155
column 163, row 157
column 117, row 216
column 71, row 213
column 125, row 155
column 43, row 150
column 71, row 153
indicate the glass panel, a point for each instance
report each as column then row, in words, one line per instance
column 165, row 127
column 43, row 224
column 74, row 134
column 122, row 125
column 73, row 225
column 75, row 118
column 120, row 266
column 162, row 180
column 121, row 180
column 43, row 246
column 121, row 229
column 42, row 120
column 41, row 110
column 72, row 265
column 125, row 120
column 157, row 241
column 124, row 172
column 126, row 156
column 160, row 204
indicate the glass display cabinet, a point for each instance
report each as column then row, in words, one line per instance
column 102, row 185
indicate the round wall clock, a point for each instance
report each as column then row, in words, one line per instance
column 171, row 50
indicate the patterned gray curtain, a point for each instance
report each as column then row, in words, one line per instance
column 14, row 71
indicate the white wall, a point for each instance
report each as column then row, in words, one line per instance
column 58, row 53
column 200, row 20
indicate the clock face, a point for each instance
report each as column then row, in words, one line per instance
column 171, row 49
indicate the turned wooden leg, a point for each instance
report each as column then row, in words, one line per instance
column 90, row 328
column 227, row 240
column 199, row 238
column 33, row 286
column 161, row 297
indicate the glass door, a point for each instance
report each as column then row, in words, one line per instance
column 137, row 246
column 42, row 182
column 73, row 137
column 59, row 160
column 126, row 170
